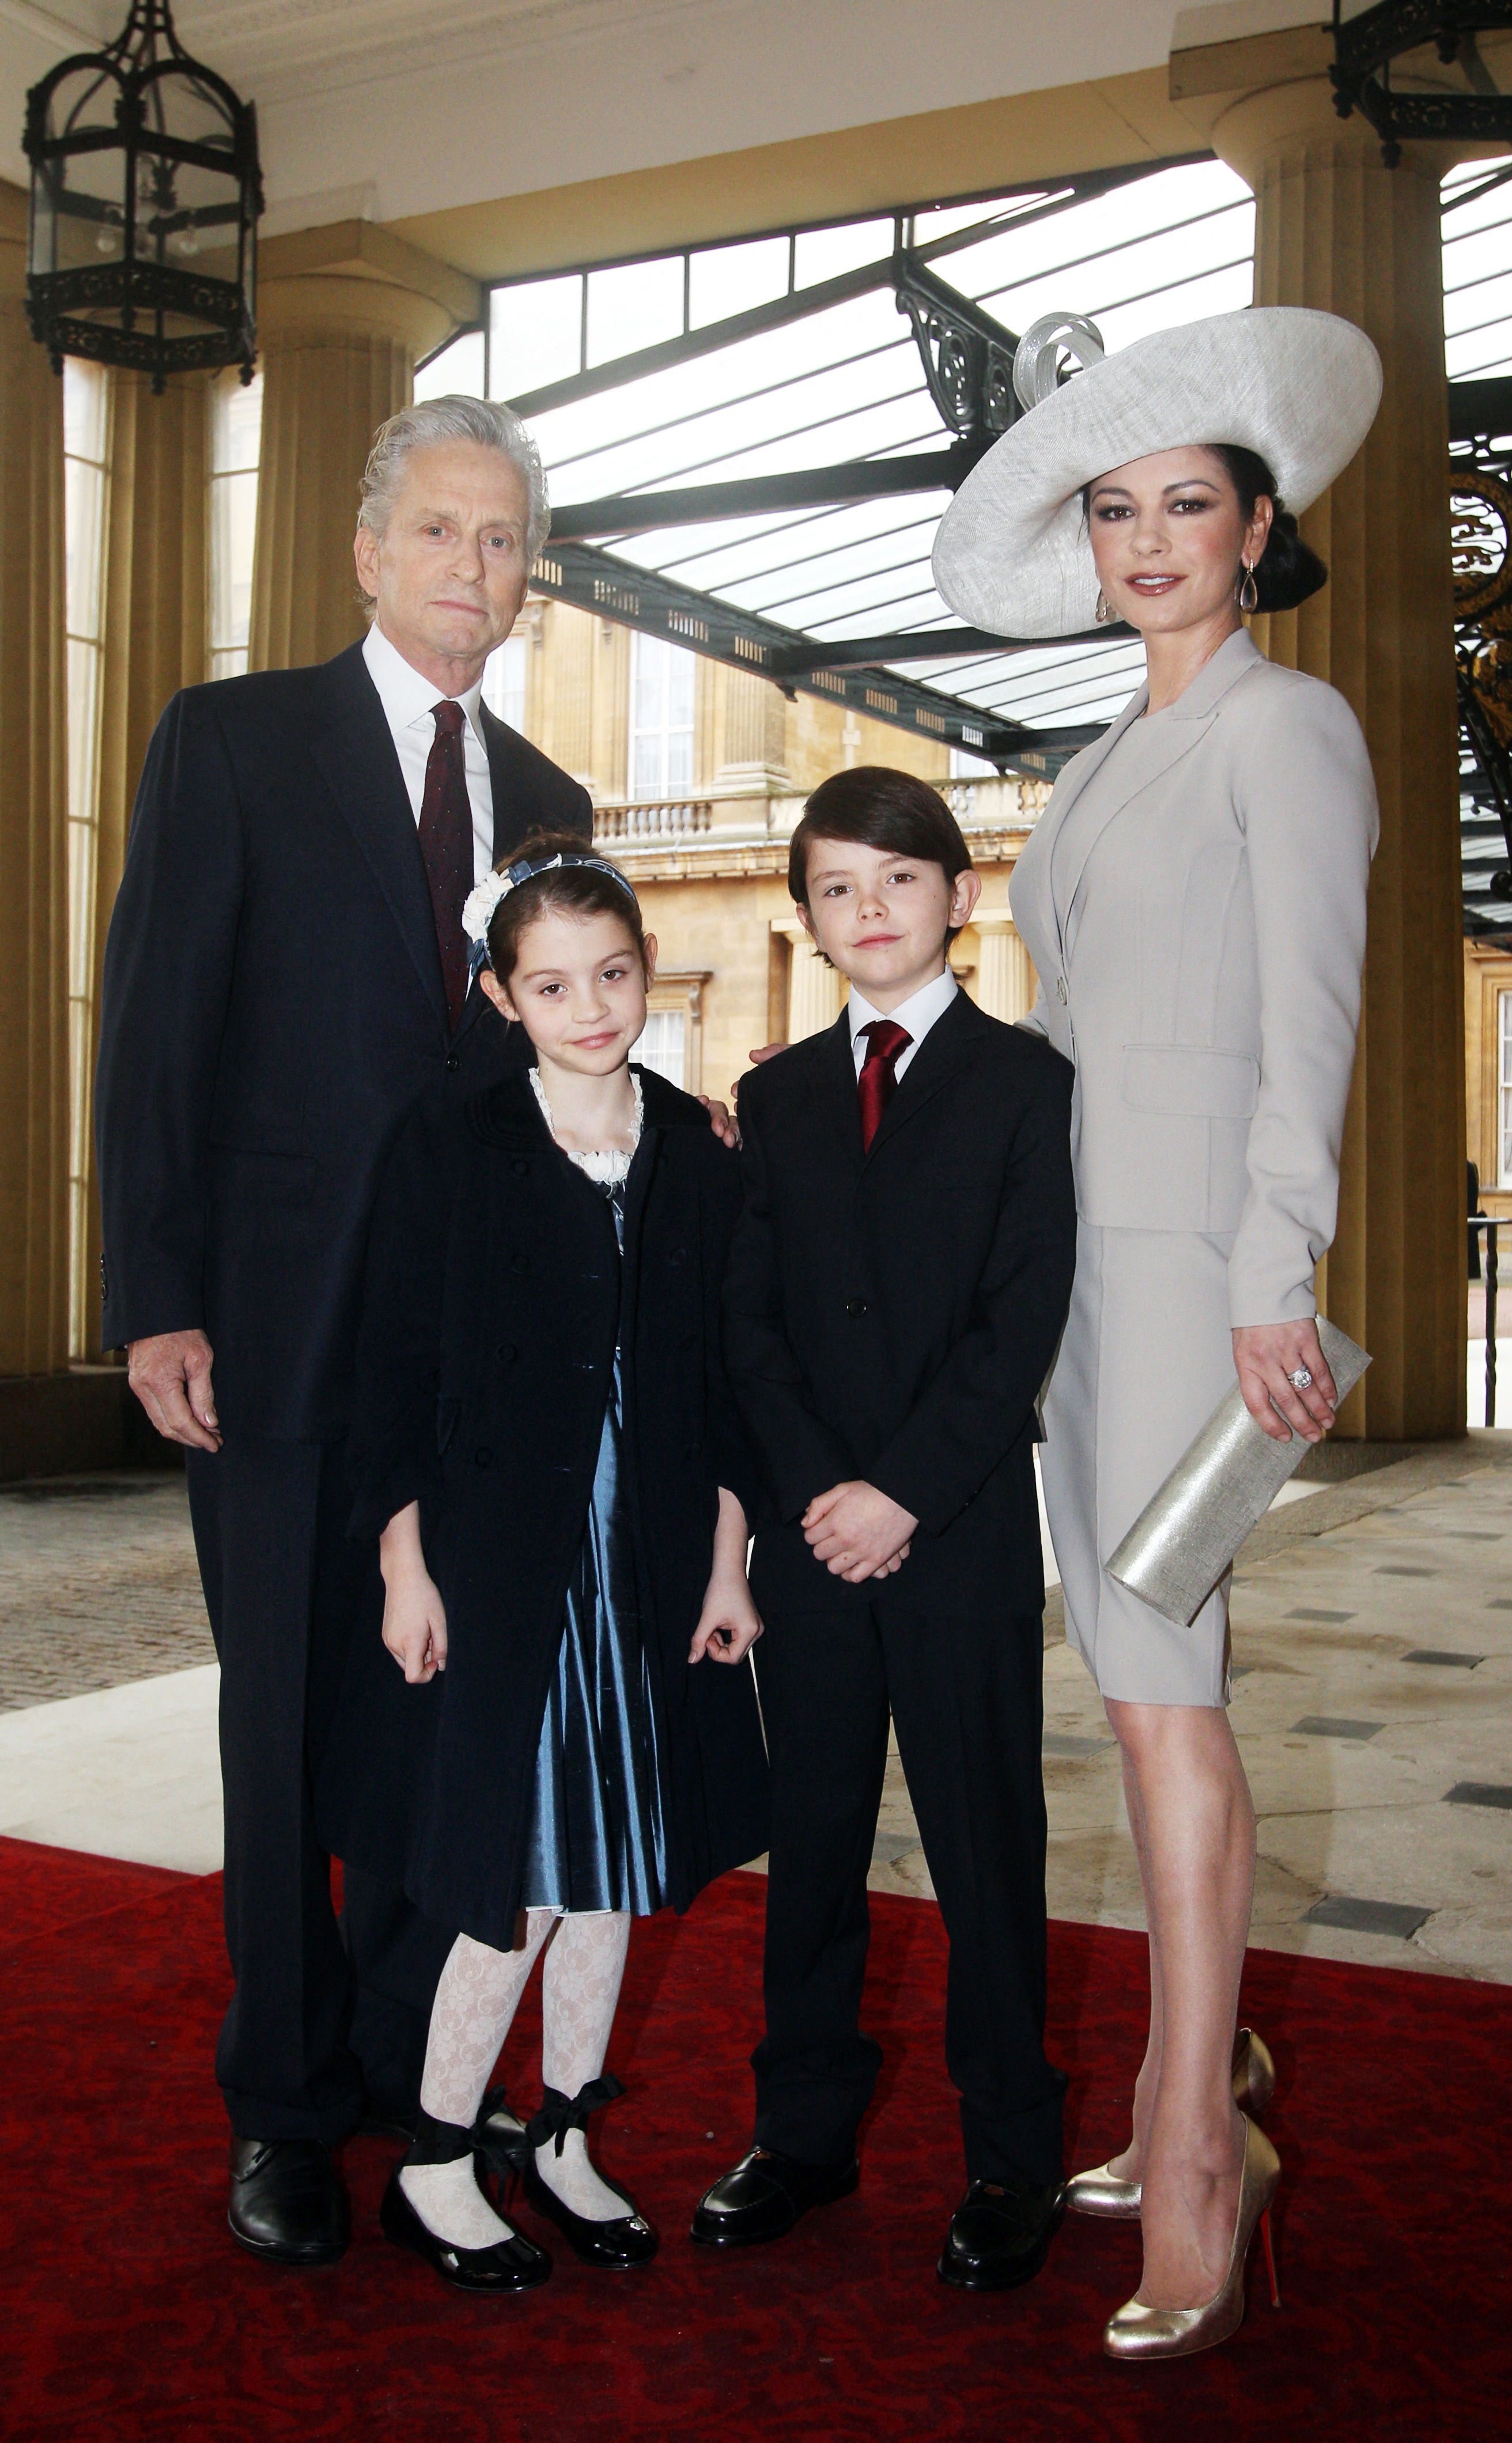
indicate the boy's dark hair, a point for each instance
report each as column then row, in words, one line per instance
column 872, row 806
column 563, row 891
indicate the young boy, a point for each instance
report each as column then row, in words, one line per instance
column 895, row 1293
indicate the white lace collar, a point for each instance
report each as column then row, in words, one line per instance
column 610, row 1168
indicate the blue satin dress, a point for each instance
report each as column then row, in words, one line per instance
column 597, row 1826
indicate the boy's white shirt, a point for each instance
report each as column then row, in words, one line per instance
column 916, row 1016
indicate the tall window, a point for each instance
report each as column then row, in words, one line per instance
column 86, row 444
column 663, row 1047
column 1504, row 1003
column 661, row 719
column 235, row 441
column 505, row 677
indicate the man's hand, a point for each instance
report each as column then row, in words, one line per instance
column 1266, row 1357
column 857, row 1533
column 170, row 1374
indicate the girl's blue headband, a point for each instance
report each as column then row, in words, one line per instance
column 478, row 908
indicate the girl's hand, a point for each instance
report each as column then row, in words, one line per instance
column 414, row 1625
column 730, row 1623
column 1266, row 1357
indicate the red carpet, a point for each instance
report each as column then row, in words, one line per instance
column 128, row 2313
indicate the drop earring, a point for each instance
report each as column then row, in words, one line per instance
column 1249, row 591
column 1104, row 609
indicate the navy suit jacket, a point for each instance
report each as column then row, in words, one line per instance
column 272, row 1008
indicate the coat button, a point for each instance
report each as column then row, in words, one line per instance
column 520, row 1169
column 454, row 1064
column 856, row 1306
column 519, row 1264
column 1061, row 990
column 678, row 1256
column 506, row 1352
column 482, row 1457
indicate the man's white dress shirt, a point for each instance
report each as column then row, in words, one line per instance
column 917, row 1015
column 409, row 703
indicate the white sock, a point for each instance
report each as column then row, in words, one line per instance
column 580, row 1991
column 474, row 2010
column 451, row 2204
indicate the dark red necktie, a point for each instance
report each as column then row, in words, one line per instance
column 885, row 1040
column 446, row 844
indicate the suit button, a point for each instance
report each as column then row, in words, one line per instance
column 520, row 1169
column 678, row 1256
column 506, row 1352
column 454, row 1064
column 482, row 1457
column 519, row 1264
column 1061, row 990
column 856, row 1306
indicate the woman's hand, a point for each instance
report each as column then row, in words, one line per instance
column 1265, row 1356
column 414, row 1614
column 730, row 1623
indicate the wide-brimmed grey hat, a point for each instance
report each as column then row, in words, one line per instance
column 1299, row 388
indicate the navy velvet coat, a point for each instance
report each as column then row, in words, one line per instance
column 495, row 1295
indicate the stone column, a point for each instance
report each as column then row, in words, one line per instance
column 156, row 642
column 342, row 315
column 34, row 837
column 1005, row 975
column 1338, row 230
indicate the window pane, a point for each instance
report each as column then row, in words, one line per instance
column 730, row 279
column 86, row 406
column 537, row 334
column 236, row 424
column 682, row 674
column 664, row 1045
column 645, row 766
column 457, row 371
column 1504, row 1001
column 634, row 306
column 504, row 681
column 84, row 514
column 232, row 532
column 823, row 254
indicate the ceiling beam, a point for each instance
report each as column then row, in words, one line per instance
column 806, row 488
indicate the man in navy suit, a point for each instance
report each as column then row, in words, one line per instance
column 285, row 974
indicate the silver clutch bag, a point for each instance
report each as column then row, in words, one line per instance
column 1186, row 1538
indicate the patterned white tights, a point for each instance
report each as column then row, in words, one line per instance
column 474, row 2008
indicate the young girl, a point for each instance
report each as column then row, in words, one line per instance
column 547, row 1446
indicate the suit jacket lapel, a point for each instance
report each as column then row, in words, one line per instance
column 948, row 1046
column 357, row 758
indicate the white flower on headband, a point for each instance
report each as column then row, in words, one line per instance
column 480, row 902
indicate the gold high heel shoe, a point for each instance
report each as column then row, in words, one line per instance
column 1141, row 2332
column 1102, row 2192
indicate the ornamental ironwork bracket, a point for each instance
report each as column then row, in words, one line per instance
column 1364, row 46
column 967, row 356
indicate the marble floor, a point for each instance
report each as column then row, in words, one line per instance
column 1372, row 1702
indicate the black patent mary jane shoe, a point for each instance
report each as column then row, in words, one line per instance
column 509, row 2267
column 288, row 2203
column 614, row 2247
column 1000, row 2234
column 764, row 2195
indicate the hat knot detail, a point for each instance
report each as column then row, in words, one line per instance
column 1037, row 359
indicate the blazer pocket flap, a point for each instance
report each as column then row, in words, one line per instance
column 1191, row 1083
column 265, row 1178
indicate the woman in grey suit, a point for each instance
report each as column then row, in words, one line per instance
column 1193, row 900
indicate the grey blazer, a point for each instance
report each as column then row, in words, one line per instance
column 1204, row 973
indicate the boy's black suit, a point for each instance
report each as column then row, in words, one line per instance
column 891, row 1315
column 273, row 1006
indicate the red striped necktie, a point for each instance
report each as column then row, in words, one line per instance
column 885, row 1041
column 446, row 844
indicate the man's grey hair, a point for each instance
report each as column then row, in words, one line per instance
column 484, row 420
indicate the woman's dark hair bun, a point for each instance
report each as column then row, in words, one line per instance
column 1288, row 570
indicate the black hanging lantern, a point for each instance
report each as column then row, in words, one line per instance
column 1413, row 68
column 146, row 192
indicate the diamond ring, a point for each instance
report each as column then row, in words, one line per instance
column 1302, row 1380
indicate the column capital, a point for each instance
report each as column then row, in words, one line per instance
column 1254, row 131
column 356, row 280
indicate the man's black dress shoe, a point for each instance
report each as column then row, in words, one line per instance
column 1000, row 2234
column 288, row 2202
column 617, row 2246
column 764, row 2196
column 499, row 2272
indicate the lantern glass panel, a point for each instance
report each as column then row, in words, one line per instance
column 80, row 217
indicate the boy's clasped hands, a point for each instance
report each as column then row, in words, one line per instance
column 857, row 1532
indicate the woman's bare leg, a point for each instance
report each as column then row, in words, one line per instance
column 1130, row 2163
column 1198, row 1861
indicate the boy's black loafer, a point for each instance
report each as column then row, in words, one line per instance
column 614, row 2247
column 764, row 2195
column 288, row 2202
column 1000, row 2234
column 499, row 2272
